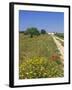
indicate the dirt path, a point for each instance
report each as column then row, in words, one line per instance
column 59, row 46
column 59, row 38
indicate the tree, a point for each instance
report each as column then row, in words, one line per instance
column 32, row 31
column 26, row 33
column 43, row 31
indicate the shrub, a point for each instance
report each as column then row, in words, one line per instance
column 61, row 35
column 43, row 31
column 26, row 33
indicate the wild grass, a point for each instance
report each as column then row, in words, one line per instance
column 39, row 57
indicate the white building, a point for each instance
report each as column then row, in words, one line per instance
column 51, row 33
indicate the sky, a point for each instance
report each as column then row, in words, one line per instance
column 50, row 21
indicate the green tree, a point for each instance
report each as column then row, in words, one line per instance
column 43, row 31
column 32, row 31
column 26, row 33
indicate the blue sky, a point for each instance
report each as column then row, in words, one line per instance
column 50, row 21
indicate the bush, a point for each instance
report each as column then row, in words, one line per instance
column 61, row 35
column 26, row 33
column 43, row 31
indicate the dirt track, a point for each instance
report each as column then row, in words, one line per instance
column 59, row 46
column 59, row 38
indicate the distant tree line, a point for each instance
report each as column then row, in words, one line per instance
column 34, row 31
column 60, row 35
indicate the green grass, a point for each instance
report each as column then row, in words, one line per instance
column 39, row 57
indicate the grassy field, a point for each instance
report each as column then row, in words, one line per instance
column 39, row 57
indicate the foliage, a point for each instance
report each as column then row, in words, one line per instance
column 61, row 35
column 32, row 31
column 43, row 31
column 26, row 33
